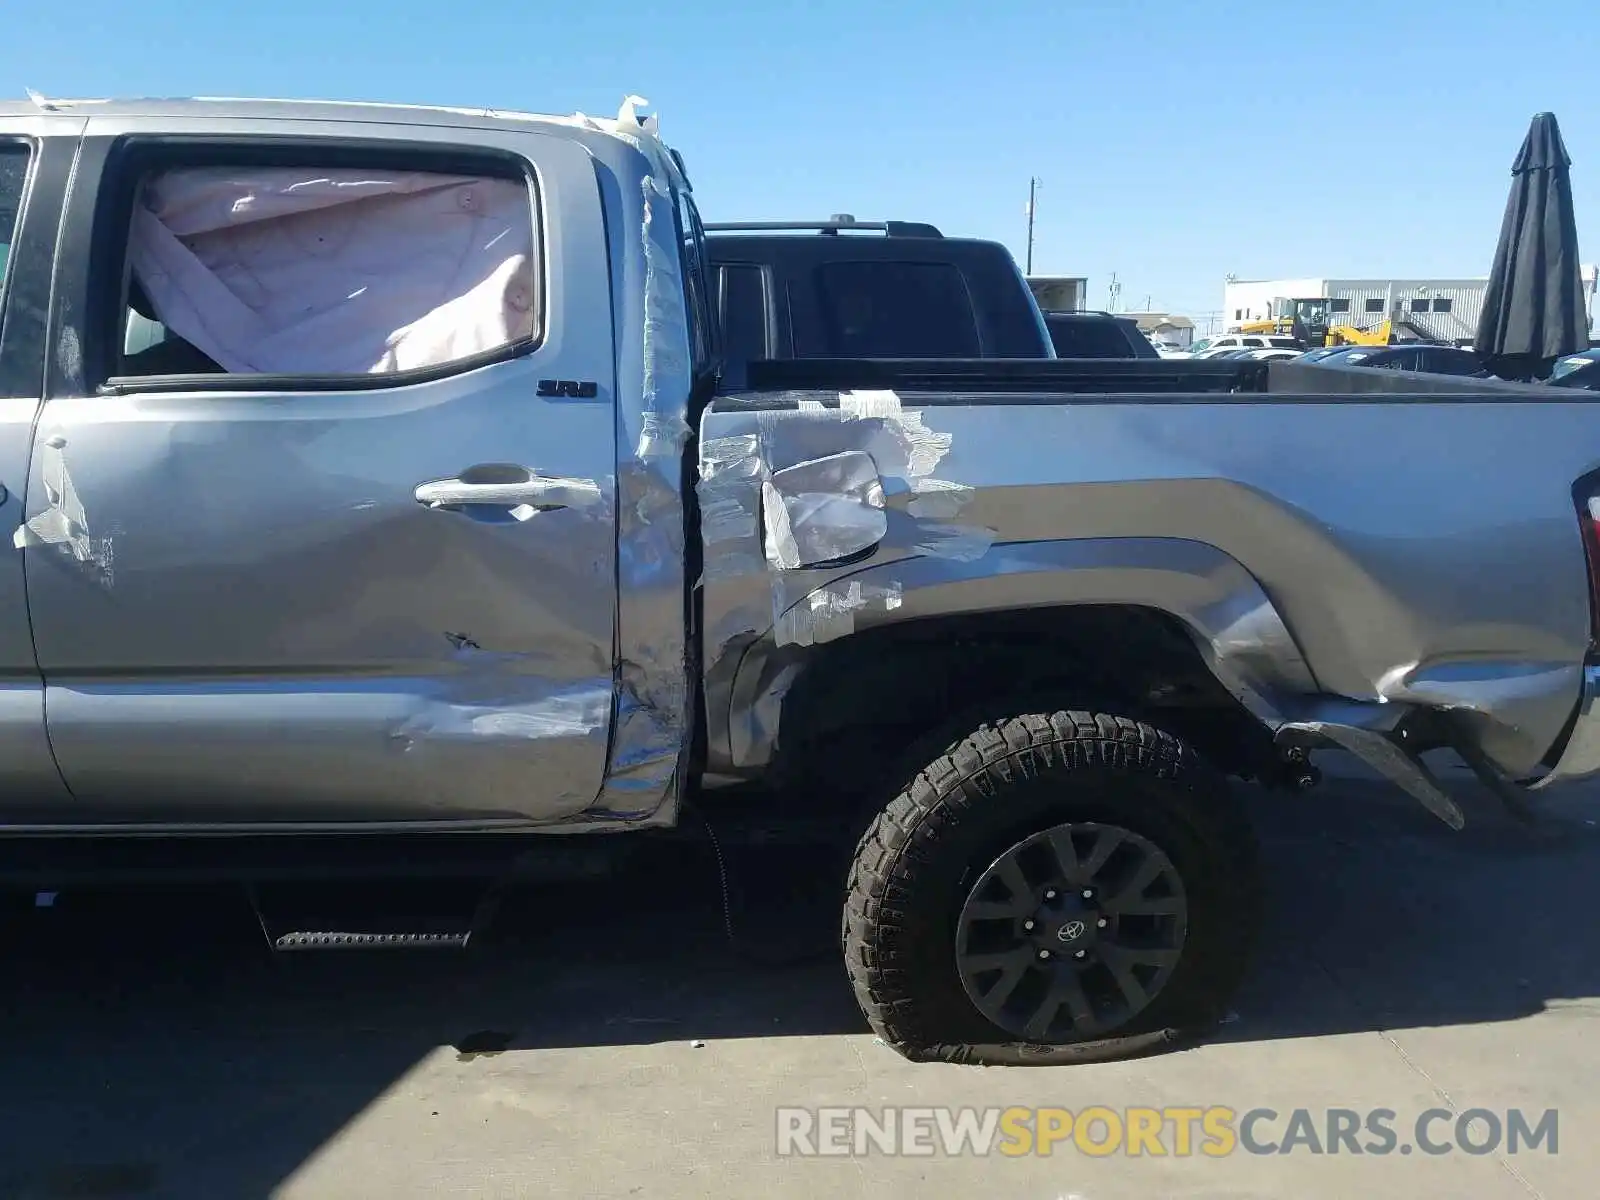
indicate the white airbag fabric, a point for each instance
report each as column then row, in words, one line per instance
column 296, row 271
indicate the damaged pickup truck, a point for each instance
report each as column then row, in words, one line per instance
column 373, row 471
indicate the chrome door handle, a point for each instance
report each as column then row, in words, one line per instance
column 497, row 487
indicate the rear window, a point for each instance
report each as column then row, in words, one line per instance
column 1077, row 337
column 1284, row 343
column 893, row 310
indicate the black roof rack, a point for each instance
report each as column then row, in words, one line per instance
column 830, row 227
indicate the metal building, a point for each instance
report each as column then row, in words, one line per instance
column 1441, row 309
column 1060, row 293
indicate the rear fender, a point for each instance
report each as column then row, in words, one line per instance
column 1240, row 634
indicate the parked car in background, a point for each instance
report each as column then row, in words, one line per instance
column 1097, row 335
column 1212, row 347
column 1276, row 354
column 1318, row 353
column 1581, row 370
column 1169, row 349
column 844, row 288
column 1424, row 357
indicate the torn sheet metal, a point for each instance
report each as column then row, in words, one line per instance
column 660, row 429
column 1498, row 700
column 564, row 712
column 830, row 612
column 814, row 484
column 63, row 523
column 959, row 543
column 730, row 511
column 496, row 723
column 821, row 510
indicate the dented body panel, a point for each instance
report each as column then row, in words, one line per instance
column 262, row 606
column 1334, row 556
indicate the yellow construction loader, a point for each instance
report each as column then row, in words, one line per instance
column 1307, row 319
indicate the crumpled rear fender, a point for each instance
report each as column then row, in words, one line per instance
column 1240, row 633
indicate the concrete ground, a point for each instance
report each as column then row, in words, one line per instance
column 608, row 1043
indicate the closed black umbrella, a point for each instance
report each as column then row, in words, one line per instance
column 1533, row 305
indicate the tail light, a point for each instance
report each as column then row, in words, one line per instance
column 1589, row 522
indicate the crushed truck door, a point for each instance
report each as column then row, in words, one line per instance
column 322, row 527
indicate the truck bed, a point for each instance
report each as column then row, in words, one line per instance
column 1341, row 543
column 1120, row 377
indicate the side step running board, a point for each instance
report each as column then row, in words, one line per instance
column 375, row 914
column 331, row 940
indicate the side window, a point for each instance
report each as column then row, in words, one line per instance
column 1339, row 306
column 696, row 284
column 320, row 270
column 13, row 182
column 890, row 309
column 742, row 311
column 1253, row 342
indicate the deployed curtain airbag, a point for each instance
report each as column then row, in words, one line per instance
column 311, row 272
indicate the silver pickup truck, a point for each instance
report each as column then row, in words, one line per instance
column 373, row 471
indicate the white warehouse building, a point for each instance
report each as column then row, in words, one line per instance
column 1444, row 309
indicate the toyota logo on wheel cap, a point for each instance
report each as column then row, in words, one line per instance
column 1071, row 931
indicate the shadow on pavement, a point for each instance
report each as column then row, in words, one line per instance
column 153, row 1047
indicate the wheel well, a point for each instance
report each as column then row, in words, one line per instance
column 864, row 700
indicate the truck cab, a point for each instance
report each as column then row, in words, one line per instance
column 311, row 457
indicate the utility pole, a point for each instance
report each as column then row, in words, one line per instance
column 1115, row 295
column 1147, row 303
column 1033, row 184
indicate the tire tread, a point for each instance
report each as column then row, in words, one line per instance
column 880, row 919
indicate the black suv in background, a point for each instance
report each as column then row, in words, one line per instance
column 850, row 289
column 1097, row 335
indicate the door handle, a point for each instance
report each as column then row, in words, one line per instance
column 508, row 487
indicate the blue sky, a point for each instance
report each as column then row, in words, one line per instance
column 1176, row 142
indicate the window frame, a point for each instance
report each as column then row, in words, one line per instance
column 1443, row 304
column 705, row 349
column 1372, row 305
column 1341, row 305
column 130, row 159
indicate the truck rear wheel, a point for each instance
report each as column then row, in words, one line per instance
column 1065, row 887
